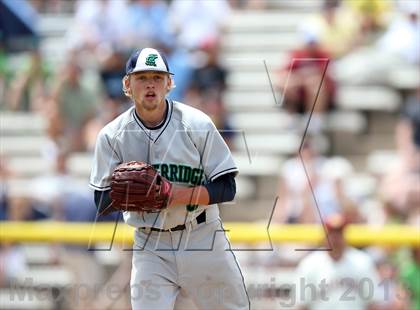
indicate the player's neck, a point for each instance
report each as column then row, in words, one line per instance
column 152, row 118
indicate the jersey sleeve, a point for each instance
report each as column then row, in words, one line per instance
column 105, row 160
column 216, row 157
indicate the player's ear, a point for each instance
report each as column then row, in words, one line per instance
column 171, row 83
column 126, row 85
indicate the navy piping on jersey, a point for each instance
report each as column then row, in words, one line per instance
column 164, row 124
column 234, row 169
column 100, row 188
column 171, row 106
column 156, row 127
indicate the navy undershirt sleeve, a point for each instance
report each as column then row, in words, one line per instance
column 103, row 201
column 222, row 189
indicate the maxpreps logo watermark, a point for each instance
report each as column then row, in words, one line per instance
column 75, row 294
column 345, row 291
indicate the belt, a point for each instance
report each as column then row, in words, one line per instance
column 201, row 218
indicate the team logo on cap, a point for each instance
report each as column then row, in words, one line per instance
column 151, row 60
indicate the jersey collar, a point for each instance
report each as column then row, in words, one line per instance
column 162, row 125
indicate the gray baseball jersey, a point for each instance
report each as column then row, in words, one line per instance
column 186, row 148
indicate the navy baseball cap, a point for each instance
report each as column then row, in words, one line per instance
column 147, row 59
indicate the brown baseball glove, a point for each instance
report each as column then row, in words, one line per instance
column 137, row 186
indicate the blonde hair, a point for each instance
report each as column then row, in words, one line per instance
column 127, row 92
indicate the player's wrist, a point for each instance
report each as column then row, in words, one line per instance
column 178, row 195
column 197, row 195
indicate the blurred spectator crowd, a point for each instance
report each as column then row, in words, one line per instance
column 82, row 93
column 360, row 42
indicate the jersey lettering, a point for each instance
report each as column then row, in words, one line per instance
column 164, row 171
column 186, row 175
column 196, row 176
column 174, row 171
column 181, row 173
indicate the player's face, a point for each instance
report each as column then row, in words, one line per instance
column 148, row 89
